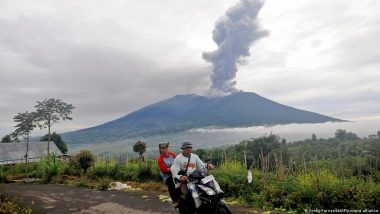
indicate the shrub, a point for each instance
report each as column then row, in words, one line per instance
column 3, row 178
column 103, row 184
column 3, row 175
column 72, row 168
column 7, row 206
column 84, row 159
column 83, row 181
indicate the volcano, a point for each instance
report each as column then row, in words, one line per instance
column 184, row 112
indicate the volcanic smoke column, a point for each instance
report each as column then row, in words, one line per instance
column 234, row 33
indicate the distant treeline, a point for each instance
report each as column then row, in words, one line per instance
column 342, row 172
column 345, row 153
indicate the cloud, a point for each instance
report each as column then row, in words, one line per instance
column 111, row 58
column 45, row 57
column 319, row 56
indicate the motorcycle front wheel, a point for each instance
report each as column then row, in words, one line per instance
column 222, row 208
column 186, row 206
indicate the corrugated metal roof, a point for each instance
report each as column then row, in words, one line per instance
column 11, row 153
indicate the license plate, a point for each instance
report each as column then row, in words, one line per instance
column 207, row 179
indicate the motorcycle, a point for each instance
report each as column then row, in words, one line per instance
column 205, row 195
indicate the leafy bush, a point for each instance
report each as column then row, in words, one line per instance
column 80, row 163
column 84, row 159
column 103, row 184
column 72, row 168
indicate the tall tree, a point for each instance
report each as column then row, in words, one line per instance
column 140, row 147
column 57, row 140
column 26, row 123
column 6, row 139
column 314, row 137
column 51, row 111
column 9, row 139
column 343, row 135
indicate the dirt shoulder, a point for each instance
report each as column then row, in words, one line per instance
column 54, row 198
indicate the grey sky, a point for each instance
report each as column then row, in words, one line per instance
column 109, row 58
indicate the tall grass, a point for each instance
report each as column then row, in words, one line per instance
column 104, row 167
column 50, row 166
column 17, row 171
column 323, row 190
column 318, row 187
column 137, row 171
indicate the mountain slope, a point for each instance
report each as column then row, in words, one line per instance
column 184, row 112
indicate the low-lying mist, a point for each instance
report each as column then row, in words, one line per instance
column 211, row 137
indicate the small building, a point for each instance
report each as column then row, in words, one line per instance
column 12, row 153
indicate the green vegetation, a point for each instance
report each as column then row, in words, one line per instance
column 48, row 112
column 9, row 139
column 50, row 166
column 103, row 184
column 25, row 124
column 6, row 139
column 9, row 206
column 83, row 160
column 57, row 140
column 140, row 147
column 51, row 111
column 342, row 172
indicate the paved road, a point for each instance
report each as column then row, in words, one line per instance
column 52, row 198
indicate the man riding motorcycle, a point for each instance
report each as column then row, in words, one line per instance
column 200, row 193
column 185, row 164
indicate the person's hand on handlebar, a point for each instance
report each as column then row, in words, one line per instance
column 183, row 178
column 210, row 166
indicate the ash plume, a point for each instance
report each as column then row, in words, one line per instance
column 234, row 33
